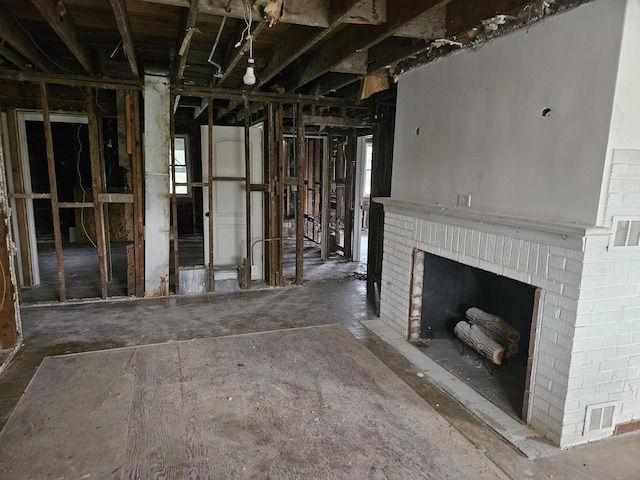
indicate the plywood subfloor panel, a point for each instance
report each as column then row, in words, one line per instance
column 303, row 403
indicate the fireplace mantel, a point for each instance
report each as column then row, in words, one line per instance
column 570, row 236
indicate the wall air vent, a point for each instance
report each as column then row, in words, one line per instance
column 600, row 419
column 626, row 232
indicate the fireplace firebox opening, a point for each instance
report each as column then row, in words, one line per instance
column 442, row 291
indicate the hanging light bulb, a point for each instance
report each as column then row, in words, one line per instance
column 250, row 75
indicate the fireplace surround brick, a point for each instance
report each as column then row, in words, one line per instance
column 578, row 354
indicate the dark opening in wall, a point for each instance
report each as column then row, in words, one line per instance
column 450, row 288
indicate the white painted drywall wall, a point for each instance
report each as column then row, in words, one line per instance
column 156, row 182
column 482, row 131
column 624, row 133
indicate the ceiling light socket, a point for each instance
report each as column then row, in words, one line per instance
column 249, row 77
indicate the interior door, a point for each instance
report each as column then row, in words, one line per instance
column 229, row 205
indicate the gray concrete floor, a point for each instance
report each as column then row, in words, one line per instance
column 340, row 299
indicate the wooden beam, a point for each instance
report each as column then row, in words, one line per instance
column 12, row 33
column 326, row 200
column 314, row 13
column 430, row 24
column 271, row 217
column 14, row 57
column 72, row 80
column 462, row 16
column 204, row 103
column 124, row 160
column 134, row 149
column 349, row 190
column 33, row 196
column 80, row 205
column 297, row 41
column 53, row 189
column 356, row 63
column 66, row 29
column 457, row 18
column 388, row 53
column 327, row 121
column 97, row 185
column 211, row 282
column 115, row 197
column 280, row 188
column 9, row 332
column 247, row 173
column 369, row 12
column 26, row 255
column 350, row 41
column 174, row 200
column 234, row 55
column 121, row 15
column 300, row 195
column 331, row 82
column 185, row 40
column 228, row 94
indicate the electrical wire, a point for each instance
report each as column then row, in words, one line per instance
column 84, row 192
column 41, row 50
column 246, row 32
column 98, row 103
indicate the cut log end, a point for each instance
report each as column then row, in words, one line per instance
column 473, row 336
column 493, row 325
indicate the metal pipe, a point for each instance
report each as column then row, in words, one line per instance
column 265, row 240
column 213, row 49
column 215, row 44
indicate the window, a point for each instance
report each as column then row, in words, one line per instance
column 181, row 154
column 367, row 168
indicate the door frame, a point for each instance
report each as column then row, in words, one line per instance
column 24, row 116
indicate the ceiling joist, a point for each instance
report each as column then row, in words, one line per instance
column 331, row 82
column 460, row 18
column 185, row 41
column 12, row 33
column 313, row 13
column 14, row 57
column 64, row 26
column 121, row 15
column 299, row 40
column 351, row 41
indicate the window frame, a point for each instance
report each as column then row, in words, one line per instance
column 187, row 165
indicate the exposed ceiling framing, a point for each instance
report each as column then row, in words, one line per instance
column 311, row 47
column 121, row 16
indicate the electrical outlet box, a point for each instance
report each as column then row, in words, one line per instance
column 254, row 270
column 464, row 200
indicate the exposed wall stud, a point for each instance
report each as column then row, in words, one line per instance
column 300, row 194
column 26, row 255
column 247, row 166
column 211, row 283
column 96, row 180
column 53, row 186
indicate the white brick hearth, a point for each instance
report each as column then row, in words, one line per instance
column 588, row 328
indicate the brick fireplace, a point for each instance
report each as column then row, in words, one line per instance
column 573, row 363
column 522, row 159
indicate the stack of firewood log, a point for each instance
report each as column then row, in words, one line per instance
column 488, row 334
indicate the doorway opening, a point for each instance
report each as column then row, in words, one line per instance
column 363, row 199
column 75, row 218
